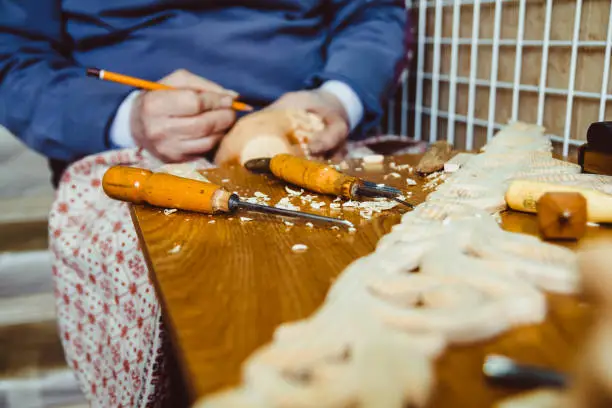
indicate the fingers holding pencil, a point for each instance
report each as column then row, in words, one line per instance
column 179, row 79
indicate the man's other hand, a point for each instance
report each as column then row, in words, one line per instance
column 330, row 109
column 176, row 125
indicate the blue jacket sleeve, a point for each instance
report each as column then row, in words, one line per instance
column 45, row 98
column 366, row 50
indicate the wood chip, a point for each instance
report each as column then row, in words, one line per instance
column 245, row 219
column 374, row 159
column 394, row 175
column 175, row 250
column 310, row 225
column 433, row 160
column 170, row 211
column 286, row 204
column 411, row 182
column 293, row 193
column 299, row 248
column 351, row 204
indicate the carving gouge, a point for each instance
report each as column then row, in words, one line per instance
column 139, row 186
column 321, row 178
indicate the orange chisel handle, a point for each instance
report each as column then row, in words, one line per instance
column 139, row 186
column 313, row 176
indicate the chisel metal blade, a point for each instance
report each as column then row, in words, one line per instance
column 258, row 166
column 369, row 189
column 235, row 202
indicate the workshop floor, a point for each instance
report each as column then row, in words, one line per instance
column 33, row 373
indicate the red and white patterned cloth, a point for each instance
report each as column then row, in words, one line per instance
column 109, row 317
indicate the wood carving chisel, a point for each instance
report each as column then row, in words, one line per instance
column 321, row 178
column 138, row 186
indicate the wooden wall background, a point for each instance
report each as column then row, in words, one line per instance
column 590, row 64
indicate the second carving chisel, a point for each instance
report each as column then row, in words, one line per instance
column 138, row 186
column 321, row 178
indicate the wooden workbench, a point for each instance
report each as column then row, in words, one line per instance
column 225, row 285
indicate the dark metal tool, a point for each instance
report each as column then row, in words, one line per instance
column 506, row 372
column 322, row 178
column 138, row 186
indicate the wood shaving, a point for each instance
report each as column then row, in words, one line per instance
column 367, row 213
column 352, row 230
column 245, row 219
column 351, row 203
column 175, row 250
column 317, row 205
column 411, row 182
column 299, row 248
column 212, row 221
column 170, row 211
column 225, row 181
column 334, row 205
column 293, row 193
column 284, row 203
column 374, row 159
column 394, row 175
column 337, row 199
column 261, row 195
column 307, row 198
column 289, row 224
column 309, row 225
column 335, row 228
column 592, row 224
column 400, row 167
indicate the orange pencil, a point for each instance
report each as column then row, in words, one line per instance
column 147, row 85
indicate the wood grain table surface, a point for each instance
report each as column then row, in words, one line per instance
column 226, row 284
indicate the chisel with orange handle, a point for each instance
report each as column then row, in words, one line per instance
column 321, row 178
column 139, row 186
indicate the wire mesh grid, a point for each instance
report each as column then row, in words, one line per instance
column 480, row 64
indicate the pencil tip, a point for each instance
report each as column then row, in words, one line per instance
column 241, row 106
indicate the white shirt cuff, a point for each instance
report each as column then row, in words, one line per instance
column 348, row 98
column 120, row 133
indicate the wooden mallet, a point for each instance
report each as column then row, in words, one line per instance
column 562, row 215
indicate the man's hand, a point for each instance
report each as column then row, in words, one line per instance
column 329, row 108
column 176, row 125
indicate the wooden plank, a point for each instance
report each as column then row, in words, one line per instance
column 225, row 287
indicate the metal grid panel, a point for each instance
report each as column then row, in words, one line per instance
column 475, row 69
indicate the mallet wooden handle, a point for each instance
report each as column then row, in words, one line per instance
column 139, row 186
column 523, row 195
column 313, row 176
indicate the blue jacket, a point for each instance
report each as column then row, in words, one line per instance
column 260, row 51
